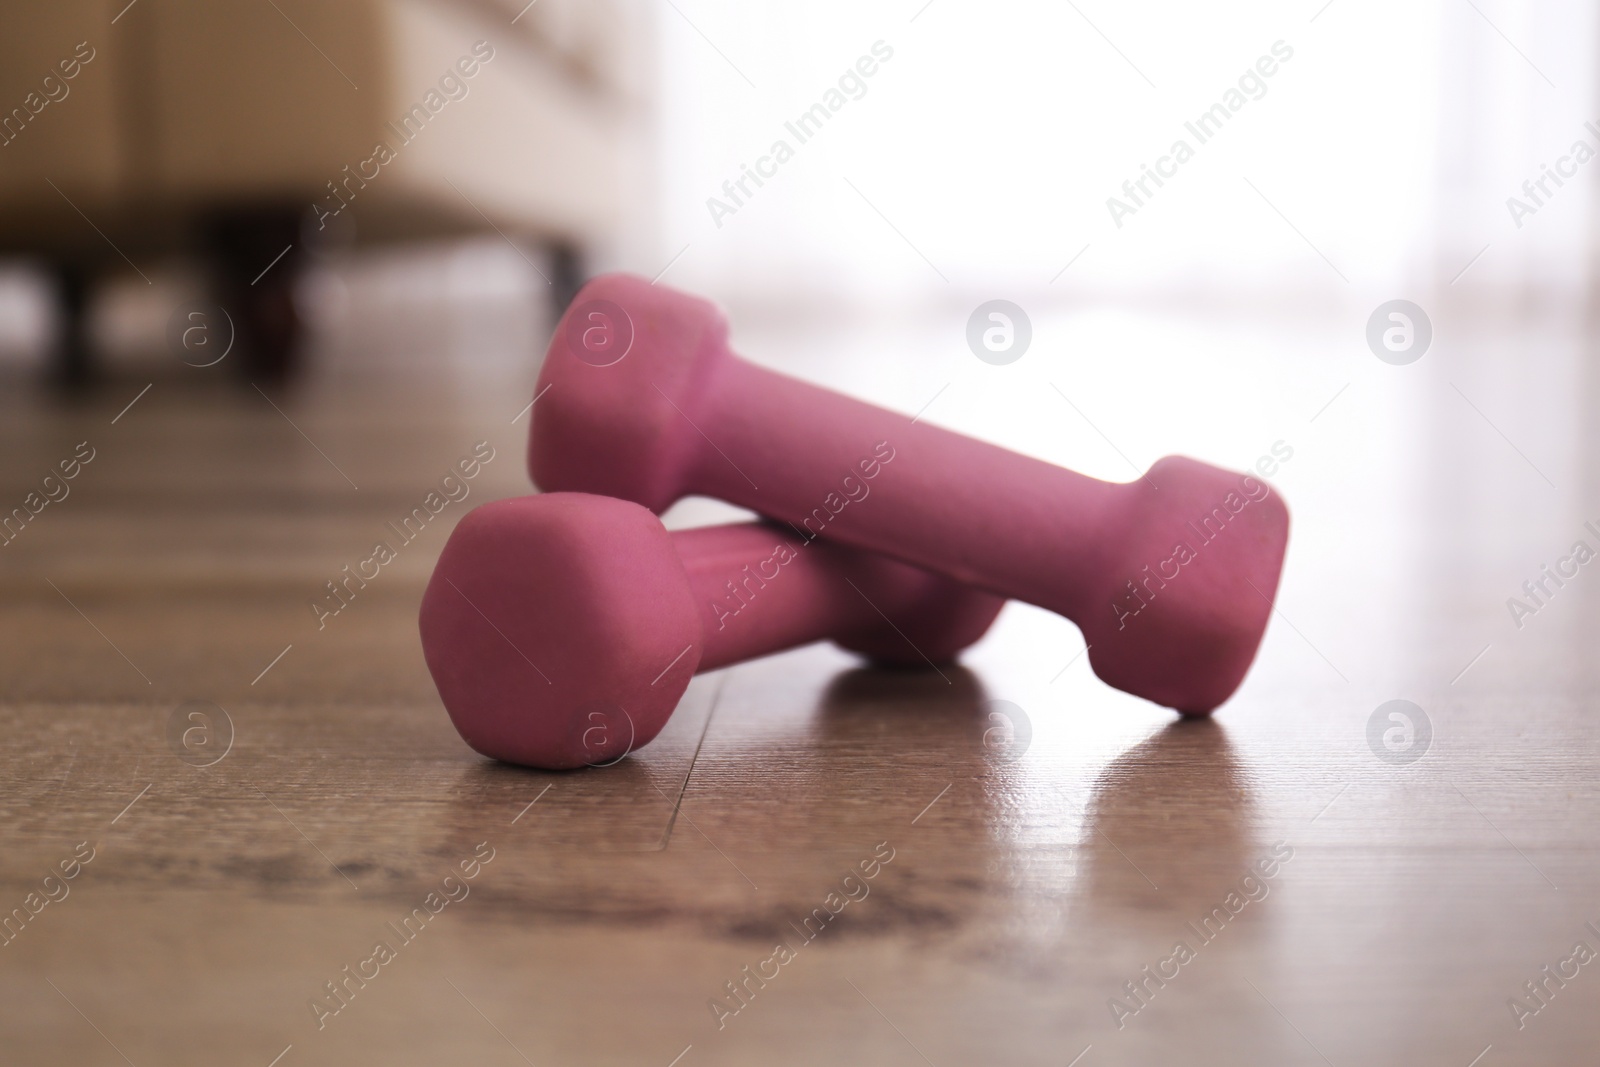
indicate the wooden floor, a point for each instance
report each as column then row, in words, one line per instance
column 321, row 795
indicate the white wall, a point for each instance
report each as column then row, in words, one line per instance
column 994, row 136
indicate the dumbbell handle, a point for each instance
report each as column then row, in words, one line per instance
column 998, row 520
column 759, row 590
column 1170, row 577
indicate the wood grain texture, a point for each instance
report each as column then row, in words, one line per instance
column 1022, row 895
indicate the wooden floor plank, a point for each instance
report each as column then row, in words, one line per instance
column 1030, row 881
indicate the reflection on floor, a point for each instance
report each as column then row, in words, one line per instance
column 1276, row 886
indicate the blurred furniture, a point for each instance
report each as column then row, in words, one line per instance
column 218, row 127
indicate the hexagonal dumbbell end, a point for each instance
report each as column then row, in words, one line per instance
column 562, row 629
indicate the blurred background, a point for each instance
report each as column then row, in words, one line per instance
column 209, row 181
column 976, row 161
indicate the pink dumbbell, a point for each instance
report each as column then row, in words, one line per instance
column 1170, row 577
column 562, row 629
